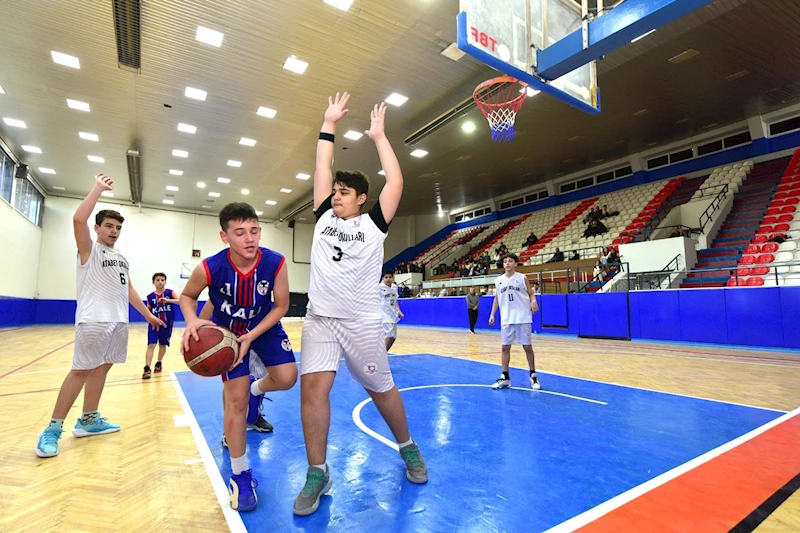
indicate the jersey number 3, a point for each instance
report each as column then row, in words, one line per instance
column 338, row 256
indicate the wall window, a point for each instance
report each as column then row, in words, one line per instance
column 6, row 175
column 736, row 140
column 28, row 200
column 784, row 126
column 658, row 162
column 683, row 155
column 709, row 148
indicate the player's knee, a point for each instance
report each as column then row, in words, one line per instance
column 286, row 378
column 80, row 373
column 237, row 401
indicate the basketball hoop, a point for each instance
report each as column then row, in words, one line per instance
column 499, row 100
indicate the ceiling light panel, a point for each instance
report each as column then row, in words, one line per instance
column 209, row 36
column 196, row 94
column 186, row 128
column 77, row 104
column 247, row 142
column 295, row 65
column 88, row 136
column 66, row 60
column 266, row 112
column 396, row 99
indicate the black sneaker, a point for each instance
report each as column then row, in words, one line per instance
column 146, row 373
column 158, row 367
column 261, row 425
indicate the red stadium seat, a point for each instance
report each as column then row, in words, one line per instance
column 765, row 229
column 781, row 195
column 776, row 202
column 785, row 218
column 748, row 260
column 781, row 227
column 752, row 249
column 733, row 282
column 765, row 259
column 744, row 271
column 773, row 211
column 759, row 271
column 755, row 282
column 770, row 220
column 769, row 247
column 788, row 209
column 625, row 240
column 758, row 239
column 792, row 201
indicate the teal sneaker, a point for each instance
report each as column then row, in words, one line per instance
column 416, row 471
column 317, row 484
column 98, row 426
column 48, row 441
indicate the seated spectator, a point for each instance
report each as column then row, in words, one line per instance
column 780, row 238
column 536, row 288
column 531, row 240
column 443, row 292
column 676, row 232
column 485, row 290
column 575, row 256
column 461, row 291
column 595, row 228
column 558, row 256
column 606, row 213
column 598, row 269
column 406, row 291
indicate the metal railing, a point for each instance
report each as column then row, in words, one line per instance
column 601, row 276
column 713, row 207
column 539, row 258
column 656, row 279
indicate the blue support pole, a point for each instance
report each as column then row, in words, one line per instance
column 614, row 29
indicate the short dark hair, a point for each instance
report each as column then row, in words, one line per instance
column 353, row 179
column 388, row 271
column 512, row 256
column 236, row 211
column 159, row 274
column 107, row 213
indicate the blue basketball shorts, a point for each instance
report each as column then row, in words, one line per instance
column 273, row 348
column 162, row 336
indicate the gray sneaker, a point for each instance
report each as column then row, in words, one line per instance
column 317, row 484
column 416, row 471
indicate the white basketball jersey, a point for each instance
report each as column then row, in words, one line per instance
column 102, row 286
column 346, row 259
column 513, row 299
column 388, row 302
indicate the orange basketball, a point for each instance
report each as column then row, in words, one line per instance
column 213, row 353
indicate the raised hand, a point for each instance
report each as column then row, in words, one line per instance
column 336, row 107
column 104, row 182
column 377, row 116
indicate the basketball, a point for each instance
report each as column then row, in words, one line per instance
column 213, row 353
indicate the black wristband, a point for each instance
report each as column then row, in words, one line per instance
column 326, row 136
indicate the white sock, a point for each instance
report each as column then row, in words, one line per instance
column 323, row 467
column 254, row 390
column 239, row 464
column 404, row 444
column 57, row 421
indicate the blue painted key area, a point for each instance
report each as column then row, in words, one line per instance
column 507, row 460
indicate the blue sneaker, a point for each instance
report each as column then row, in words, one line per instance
column 254, row 407
column 242, row 487
column 48, row 441
column 98, row 426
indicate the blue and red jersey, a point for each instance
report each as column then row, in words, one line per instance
column 163, row 311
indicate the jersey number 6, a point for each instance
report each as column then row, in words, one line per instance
column 338, row 256
column 122, row 278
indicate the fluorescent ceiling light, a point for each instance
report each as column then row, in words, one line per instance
column 295, row 65
column 201, row 185
column 196, row 94
column 45, row 170
column 88, row 136
column 32, row 149
column 287, row 191
column 14, row 122
column 168, row 202
column 95, row 159
column 180, row 153
column 643, row 35
column 57, row 188
column 259, row 213
column 419, row 153
column 344, row 5
column 214, row 194
column 209, row 36
column 176, row 172
column 223, row 180
column 396, row 99
column 302, row 176
column 382, row 173
column 64, row 59
column 266, row 112
column 172, row 188
column 80, row 106
column 186, row 128
column 247, row 142
column 2, row 91
column 270, row 202
column 468, row 127
column 232, row 163
column 245, row 191
column 107, row 194
column 354, row 135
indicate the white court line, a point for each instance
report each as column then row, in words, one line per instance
column 38, row 371
column 193, row 461
column 180, row 420
column 593, row 514
column 218, row 485
column 366, row 429
column 621, row 385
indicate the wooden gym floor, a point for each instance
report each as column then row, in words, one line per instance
column 147, row 477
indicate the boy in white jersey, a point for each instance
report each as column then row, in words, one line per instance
column 101, row 321
column 514, row 296
column 390, row 309
column 347, row 253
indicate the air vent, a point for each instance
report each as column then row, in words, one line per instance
column 135, row 175
column 128, row 32
column 684, row 56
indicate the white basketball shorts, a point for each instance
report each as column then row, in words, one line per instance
column 389, row 330
column 326, row 340
column 511, row 333
column 99, row 343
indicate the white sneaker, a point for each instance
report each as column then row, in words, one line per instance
column 535, row 382
column 501, row 383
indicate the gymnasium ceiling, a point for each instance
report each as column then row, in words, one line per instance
column 376, row 48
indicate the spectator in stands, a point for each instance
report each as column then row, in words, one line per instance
column 606, row 213
column 473, row 301
column 558, row 256
column 531, row 240
column 575, row 256
column 779, row 238
column 613, row 257
column 536, row 288
column 461, row 291
column 443, row 292
column 676, row 232
column 485, row 290
column 595, row 228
